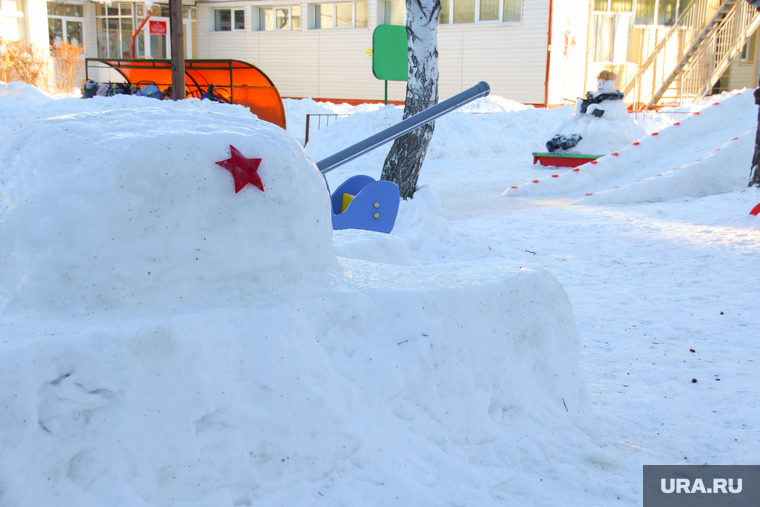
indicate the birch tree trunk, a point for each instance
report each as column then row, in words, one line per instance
column 403, row 164
column 754, row 172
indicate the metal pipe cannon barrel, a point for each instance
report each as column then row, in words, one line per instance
column 342, row 157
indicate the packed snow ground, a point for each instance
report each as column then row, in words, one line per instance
column 177, row 404
column 650, row 266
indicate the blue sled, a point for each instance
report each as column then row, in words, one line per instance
column 374, row 207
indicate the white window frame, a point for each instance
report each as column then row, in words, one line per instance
column 258, row 10
column 656, row 14
column 233, row 11
column 313, row 16
column 620, row 42
column 234, row 15
column 287, row 8
column 109, row 17
column 744, row 54
column 18, row 16
column 477, row 21
column 387, row 8
column 76, row 19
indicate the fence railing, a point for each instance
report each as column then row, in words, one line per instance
column 639, row 116
column 320, row 120
column 333, row 116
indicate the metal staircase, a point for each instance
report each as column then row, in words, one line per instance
column 693, row 54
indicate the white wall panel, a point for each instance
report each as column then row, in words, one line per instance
column 331, row 64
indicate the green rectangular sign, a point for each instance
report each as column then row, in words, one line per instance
column 390, row 53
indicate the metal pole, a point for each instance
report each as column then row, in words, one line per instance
column 342, row 157
column 386, row 92
column 178, row 49
column 132, row 42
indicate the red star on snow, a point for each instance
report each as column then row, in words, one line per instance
column 244, row 170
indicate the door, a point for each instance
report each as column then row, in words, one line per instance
column 158, row 41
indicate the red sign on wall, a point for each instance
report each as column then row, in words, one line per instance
column 158, row 27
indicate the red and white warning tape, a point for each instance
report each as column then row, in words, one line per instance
column 637, row 143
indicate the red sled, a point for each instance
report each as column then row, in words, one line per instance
column 562, row 159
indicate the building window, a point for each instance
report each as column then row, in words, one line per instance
column 480, row 11
column 395, row 12
column 341, row 15
column 613, row 5
column 745, row 51
column 660, row 12
column 227, row 20
column 286, row 17
column 65, row 23
column 609, row 37
column 116, row 23
column 114, row 27
column 12, row 19
column 610, row 30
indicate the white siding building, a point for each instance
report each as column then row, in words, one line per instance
column 315, row 50
column 24, row 20
column 542, row 52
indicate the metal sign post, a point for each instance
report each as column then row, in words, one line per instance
column 390, row 54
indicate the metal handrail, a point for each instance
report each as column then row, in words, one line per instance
column 718, row 49
column 319, row 119
column 662, row 66
column 685, row 15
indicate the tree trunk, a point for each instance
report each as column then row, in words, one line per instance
column 178, row 49
column 403, row 164
column 754, row 172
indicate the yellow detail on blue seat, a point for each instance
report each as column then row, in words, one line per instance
column 347, row 198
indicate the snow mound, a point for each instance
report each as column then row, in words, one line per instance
column 297, row 109
column 371, row 246
column 129, row 206
column 684, row 145
column 295, row 114
column 493, row 104
column 422, row 384
column 462, row 134
column 722, row 171
column 420, row 223
column 25, row 93
column 15, row 114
